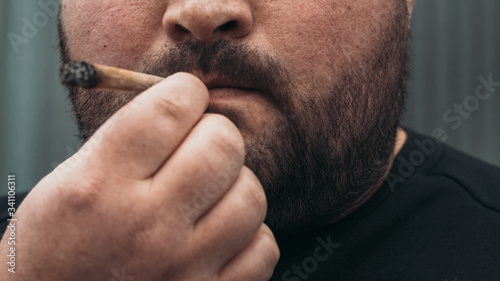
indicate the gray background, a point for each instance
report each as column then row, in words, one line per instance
column 454, row 42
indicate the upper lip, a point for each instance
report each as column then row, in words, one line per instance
column 212, row 81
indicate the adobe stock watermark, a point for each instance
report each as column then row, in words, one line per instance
column 11, row 228
column 310, row 264
column 32, row 25
column 406, row 167
column 485, row 89
column 212, row 189
column 454, row 116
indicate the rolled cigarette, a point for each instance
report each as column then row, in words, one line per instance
column 98, row 76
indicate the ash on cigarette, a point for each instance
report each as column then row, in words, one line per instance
column 79, row 74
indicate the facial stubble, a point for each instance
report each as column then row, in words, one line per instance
column 320, row 155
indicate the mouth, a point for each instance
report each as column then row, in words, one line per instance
column 221, row 89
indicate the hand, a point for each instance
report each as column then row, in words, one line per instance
column 160, row 193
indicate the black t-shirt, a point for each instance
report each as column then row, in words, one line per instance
column 436, row 217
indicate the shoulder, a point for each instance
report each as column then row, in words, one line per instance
column 425, row 163
column 477, row 178
column 442, row 212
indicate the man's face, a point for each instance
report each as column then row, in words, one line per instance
column 327, row 84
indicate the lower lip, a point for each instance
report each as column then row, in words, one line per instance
column 221, row 94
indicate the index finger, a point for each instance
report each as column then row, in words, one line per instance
column 139, row 137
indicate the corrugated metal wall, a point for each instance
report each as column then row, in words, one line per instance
column 35, row 121
column 454, row 42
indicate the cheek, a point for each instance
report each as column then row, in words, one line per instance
column 318, row 37
column 111, row 32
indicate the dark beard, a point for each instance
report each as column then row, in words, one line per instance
column 327, row 147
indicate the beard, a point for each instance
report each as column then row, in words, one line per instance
column 328, row 145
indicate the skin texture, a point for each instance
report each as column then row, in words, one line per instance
column 318, row 129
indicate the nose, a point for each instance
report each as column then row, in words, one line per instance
column 205, row 20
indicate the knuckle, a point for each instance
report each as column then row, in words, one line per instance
column 267, row 270
column 267, row 273
column 270, row 244
column 271, row 252
column 82, row 192
column 274, row 253
column 171, row 106
column 190, row 86
column 256, row 199
column 181, row 96
column 226, row 136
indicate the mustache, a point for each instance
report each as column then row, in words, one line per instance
column 235, row 62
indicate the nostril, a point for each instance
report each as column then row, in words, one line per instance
column 181, row 29
column 228, row 25
column 185, row 20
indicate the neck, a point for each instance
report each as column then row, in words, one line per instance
column 401, row 138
